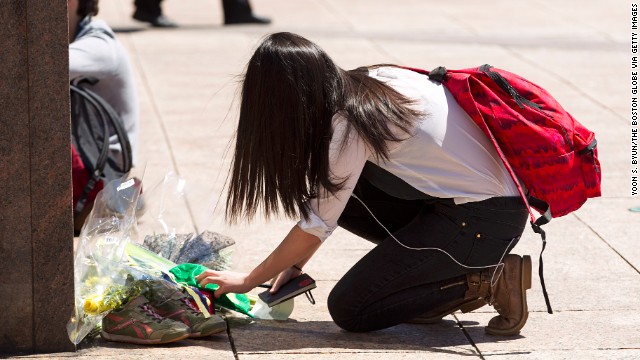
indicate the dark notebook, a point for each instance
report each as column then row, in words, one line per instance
column 293, row 288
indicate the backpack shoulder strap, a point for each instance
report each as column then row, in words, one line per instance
column 110, row 120
column 96, row 171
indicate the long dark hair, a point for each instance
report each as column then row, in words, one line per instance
column 290, row 93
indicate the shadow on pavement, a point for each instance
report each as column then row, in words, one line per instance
column 215, row 342
column 127, row 29
column 276, row 336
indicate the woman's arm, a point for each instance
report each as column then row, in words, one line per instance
column 295, row 249
column 294, row 270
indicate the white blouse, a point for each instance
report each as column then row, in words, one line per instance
column 446, row 156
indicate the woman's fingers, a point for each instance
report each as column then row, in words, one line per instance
column 205, row 274
column 214, row 280
column 275, row 285
column 282, row 279
column 227, row 281
column 209, row 280
column 221, row 290
column 210, row 277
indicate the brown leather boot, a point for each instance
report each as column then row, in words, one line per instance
column 479, row 288
column 509, row 296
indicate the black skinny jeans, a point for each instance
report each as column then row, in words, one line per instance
column 392, row 284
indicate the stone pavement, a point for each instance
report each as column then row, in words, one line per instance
column 580, row 51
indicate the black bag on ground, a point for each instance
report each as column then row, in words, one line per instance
column 94, row 124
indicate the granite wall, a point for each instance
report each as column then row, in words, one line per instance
column 36, row 236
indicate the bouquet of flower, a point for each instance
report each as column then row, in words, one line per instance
column 102, row 280
column 111, row 270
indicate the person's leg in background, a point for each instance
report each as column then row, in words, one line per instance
column 150, row 11
column 239, row 12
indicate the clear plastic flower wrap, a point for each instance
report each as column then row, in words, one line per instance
column 101, row 278
column 165, row 232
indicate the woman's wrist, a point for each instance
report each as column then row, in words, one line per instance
column 251, row 280
column 296, row 267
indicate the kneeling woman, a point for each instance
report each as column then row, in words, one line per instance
column 388, row 155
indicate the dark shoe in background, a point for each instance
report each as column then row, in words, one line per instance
column 239, row 12
column 159, row 21
column 149, row 11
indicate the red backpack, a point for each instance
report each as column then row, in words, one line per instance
column 554, row 156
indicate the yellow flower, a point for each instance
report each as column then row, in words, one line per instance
column 93, row 304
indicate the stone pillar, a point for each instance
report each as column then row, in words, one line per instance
column 36, row 236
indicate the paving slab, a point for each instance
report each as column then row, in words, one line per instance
column 603, row 354
column 562, row 331
column 254, row 242
column 321, row 335
column 577, row 264
column 425, row 53
column 214, row 347
column 311, row 332
column 410, row 355
column 196, row 13
column 616, row 225
column 577, row 68
column 307, row 14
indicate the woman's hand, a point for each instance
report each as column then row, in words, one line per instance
column 283, row 278
column 229, row 282
column 296, row 248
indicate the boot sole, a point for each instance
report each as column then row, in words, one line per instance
column 465, row 307
column 132, row 340
column 525, row 282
